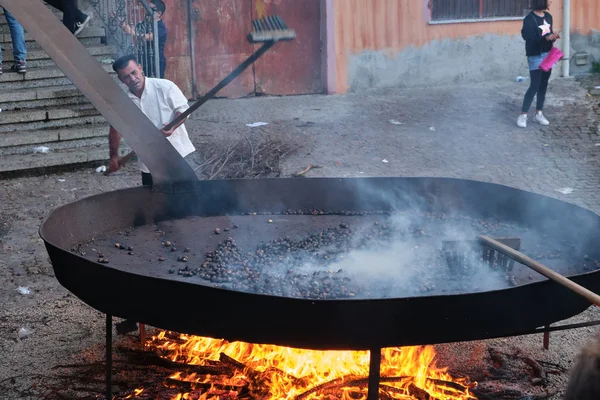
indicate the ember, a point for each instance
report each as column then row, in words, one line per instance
column 240, row 370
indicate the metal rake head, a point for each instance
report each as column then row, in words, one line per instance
column 463, row 256
column 269, row 29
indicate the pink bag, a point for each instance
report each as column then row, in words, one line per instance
column 551, row 59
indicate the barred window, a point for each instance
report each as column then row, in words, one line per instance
column 477, row 9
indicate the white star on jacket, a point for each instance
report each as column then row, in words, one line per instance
column 546, row 28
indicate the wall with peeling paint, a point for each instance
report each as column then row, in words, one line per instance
column 382, row 43
column 585, row 38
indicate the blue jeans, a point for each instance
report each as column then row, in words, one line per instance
column 18, row 38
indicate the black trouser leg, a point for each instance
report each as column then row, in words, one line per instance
column 79, row 15
column 69, row 10
column 163, row 67
column 534, row 86
column 70, row 14
column 146, row 179
column 541, row 95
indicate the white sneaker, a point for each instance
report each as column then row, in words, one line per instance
column 539, row 117
column 79, row 26
column 522, row 121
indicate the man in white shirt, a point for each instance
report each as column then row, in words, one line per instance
column 161, row 101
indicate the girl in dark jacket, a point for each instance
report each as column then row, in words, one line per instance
column 539, row 39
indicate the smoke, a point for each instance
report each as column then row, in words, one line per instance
column 411, row 261
column 397, row 250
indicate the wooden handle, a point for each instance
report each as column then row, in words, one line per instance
column 122, row 161
column 125, row 159
column 234, row 74
column 542, row 269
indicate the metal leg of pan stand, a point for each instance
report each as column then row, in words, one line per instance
column 546, row 338
column 374, row 374
column 142, row 334
column 108, row 357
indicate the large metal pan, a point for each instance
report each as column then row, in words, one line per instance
column 157, row 298
column 195, row 308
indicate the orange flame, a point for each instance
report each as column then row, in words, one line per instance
column 286, row 373
column 136, row 393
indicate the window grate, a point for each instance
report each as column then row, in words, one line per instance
column 478, row 9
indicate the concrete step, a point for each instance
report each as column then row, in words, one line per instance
column 43, row 114
column 93, row 118
column 42, row 108
column 89, row 37
column 11, row 142
column 37, row 58
column 53, row 96
column 38, row 93
column 55, row 146
column 31, row 161
column 39, row 77
column 4, row 24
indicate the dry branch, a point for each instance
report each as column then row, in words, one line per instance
column 539, row 374
column 497, row 358
column 538, row 371
column 305, row 170
column 256, row 155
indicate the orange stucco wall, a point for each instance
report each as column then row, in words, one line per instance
column 585, row 16
column 392, row 25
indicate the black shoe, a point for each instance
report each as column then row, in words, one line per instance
column 19, row 66
column 125, row 327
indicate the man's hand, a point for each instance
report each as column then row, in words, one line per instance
column 169, row 132
column 117, row 162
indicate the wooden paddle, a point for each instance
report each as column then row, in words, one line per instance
column 542, row 269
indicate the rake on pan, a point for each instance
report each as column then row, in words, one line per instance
column 503, row 253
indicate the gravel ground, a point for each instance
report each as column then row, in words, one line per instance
column 455, row 131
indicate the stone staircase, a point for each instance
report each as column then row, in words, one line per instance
column 42, row 108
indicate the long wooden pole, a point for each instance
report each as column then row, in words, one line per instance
column 542, row 269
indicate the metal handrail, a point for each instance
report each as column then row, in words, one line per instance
column 139, row 16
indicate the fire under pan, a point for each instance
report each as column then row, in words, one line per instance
column 185, row 290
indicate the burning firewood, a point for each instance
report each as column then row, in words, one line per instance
column 363, row 382
column 412, row 391
column 328, row 385
column 150, row 358
column 187, row 385
column 224, row 358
